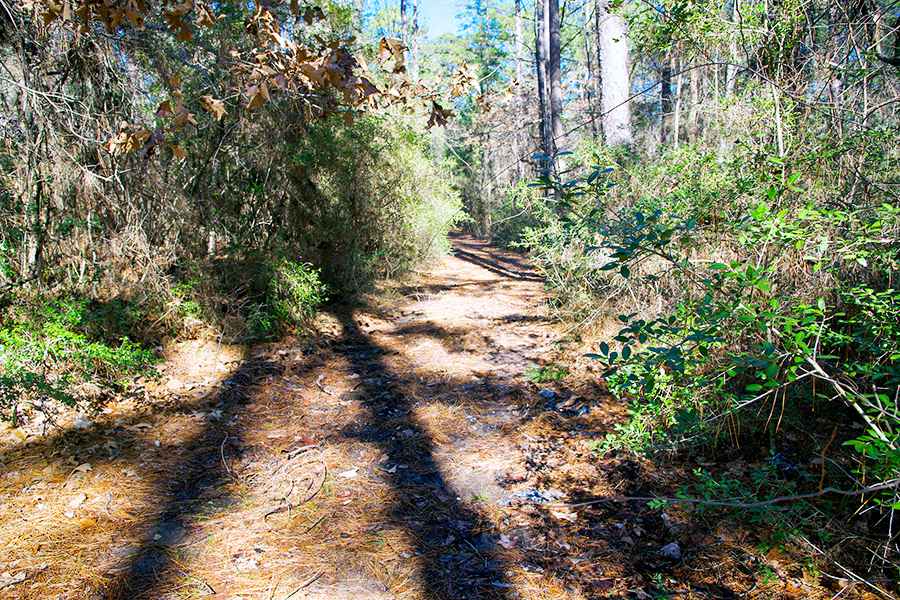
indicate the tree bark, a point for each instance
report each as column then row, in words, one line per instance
column 592, row 83
column 665, row 100
column 554, row 77
column 518, row 99
column 403, row 11
column 414, row 41
column 541, row 50
column 519, row 43
column 731, row 67
column 694, row 115
column 612, row 36
column 676, row 121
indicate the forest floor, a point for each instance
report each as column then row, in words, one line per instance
column 401, row 452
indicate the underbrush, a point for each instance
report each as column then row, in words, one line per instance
column 757, row 323
column 251, row 254
column 53, row 349
column 71, row 348
column 244, row 300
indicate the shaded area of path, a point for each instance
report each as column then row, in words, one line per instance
column 480, row 253
column 458, row 550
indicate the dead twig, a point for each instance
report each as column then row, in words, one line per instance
column 735, row 503
column 822, row 456
column 322, row 387
column 305, row 584
column 222, row 454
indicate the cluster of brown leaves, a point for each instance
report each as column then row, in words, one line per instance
column 328, row 76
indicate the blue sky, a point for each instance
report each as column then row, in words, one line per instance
column 438, row 16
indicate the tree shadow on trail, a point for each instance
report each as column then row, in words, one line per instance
column 506, row 268
column 457, row 549
column 198, row 478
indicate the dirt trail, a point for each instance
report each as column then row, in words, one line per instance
column 367, row 463
column 400, row 453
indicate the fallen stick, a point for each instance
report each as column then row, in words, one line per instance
column 886, row 485
column 305, row 584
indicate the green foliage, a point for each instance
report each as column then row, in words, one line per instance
column 782, row 298
column 521, row 212
column 286, row 295
column 50, row 347
column 546, row 374
column 382, row 204
column 296, row 291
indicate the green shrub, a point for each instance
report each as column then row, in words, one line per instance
column 50, row 347
column 381, row 204
column 786, row 301
column 295, row 292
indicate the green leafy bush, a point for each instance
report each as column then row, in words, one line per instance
column 50, row 347
column 783, row 305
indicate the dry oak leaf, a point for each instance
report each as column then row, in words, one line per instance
column 183, row 117
column 178, row 26
column 205, row 15
column 392, row 48
column 259, row 95
column 213, row 106
column 463, row 80
column 313, row 14
column 165, row 109
column 127, row 141
column 439, row 115
column 178, row 152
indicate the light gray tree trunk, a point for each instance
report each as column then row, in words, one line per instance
column 731, row 68
column 592, row 82
column 519, row 42
column 665, row 100
column 404, row 26
column 612, row 36
column 694, row 116
column 555, row 77
column 554, row 70
column 414, row 41
column 519, row 91
column 541, row 51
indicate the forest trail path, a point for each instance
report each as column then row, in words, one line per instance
column 380, row 459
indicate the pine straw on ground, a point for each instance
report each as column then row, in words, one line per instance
column 378, row 459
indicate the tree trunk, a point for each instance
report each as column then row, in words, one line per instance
column 414, row 41
column 519, row 43
column 665, row 100
column 694, row 116
column 554, row 77
column 359, row 15
column 404, row 26
column 541, row 49
column 676, row 122
column 519, row 98
column 613, row 53
column 592, row 83
column 731, row 67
